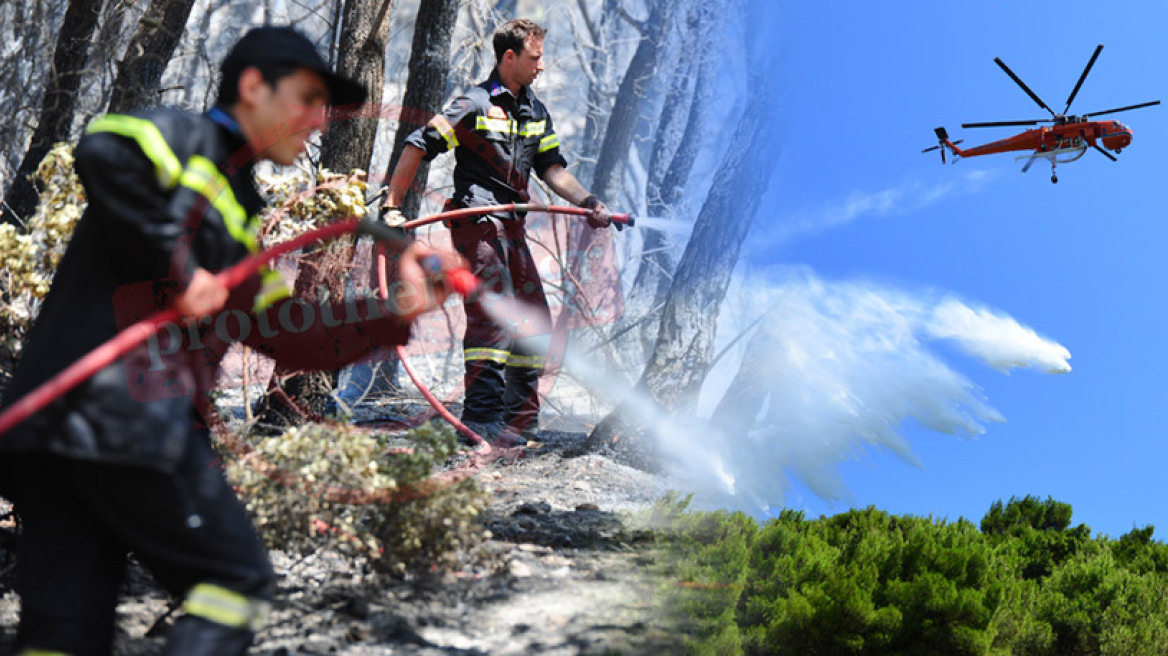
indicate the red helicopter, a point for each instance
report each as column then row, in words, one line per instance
column 1066, row 140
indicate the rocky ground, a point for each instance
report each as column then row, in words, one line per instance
column 570, row 575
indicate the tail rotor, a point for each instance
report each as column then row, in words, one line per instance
column 943, row 143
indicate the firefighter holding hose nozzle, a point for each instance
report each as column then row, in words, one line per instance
column 500, row 133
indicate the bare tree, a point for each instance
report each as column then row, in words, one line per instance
column 622, row 122
column 348, row 145
column 676, row 144
column 748, row 391
column 426, row 86
column 618, row 135
column 685, row 342
column 34, row 25
column 429, row 72
column 106, row 49
column 361, row 56
column 58, row 104
column 597, row 54
column 150, row 51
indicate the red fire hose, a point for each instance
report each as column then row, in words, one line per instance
column 466, row 291
column 139, row 332
column 462, row 282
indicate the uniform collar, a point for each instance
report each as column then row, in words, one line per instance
column 241, row 157
column 496, row 88
column 225, row 119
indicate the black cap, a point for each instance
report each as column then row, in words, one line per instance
column 285, row 45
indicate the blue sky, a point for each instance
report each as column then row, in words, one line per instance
column 1080, row 262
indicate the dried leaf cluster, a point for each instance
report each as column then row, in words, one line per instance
column 299, row 201
column 30, row 255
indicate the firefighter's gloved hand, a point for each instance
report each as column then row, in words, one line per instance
column 601, row 216
column 393, row 217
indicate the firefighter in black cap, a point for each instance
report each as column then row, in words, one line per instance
column 500, row 133
column 113, row 468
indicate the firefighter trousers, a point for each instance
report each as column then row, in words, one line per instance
column 503, row 362
column 80, row 519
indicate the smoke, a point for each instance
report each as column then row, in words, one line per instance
column 844, row 366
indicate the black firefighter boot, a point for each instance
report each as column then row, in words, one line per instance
column 195, row 636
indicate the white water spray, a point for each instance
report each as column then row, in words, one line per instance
column 666, row 225
column 848, row 365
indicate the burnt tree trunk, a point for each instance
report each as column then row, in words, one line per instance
column 738, row 410
column 150, row 51
column 675, row 149
column 685, row 342
column 429, row 75
column 33, row 26
column 347, row 145
column 622, row 122
column 58, row 105
column 599, row 62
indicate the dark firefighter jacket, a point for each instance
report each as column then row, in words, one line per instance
column 497, row 140
column 167, row 192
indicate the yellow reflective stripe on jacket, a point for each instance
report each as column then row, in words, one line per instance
column 204, row 177
column 222, row 606
column 166, row 165
column 40, row 652
column 200, row 175
column 272, row 289
column 493, row 355
column 504, row 125
column 533, row 129
column 444, row 128
column 525, row 361
column 549, row 142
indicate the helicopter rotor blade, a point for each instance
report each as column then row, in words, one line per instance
column 994, row 124
column 1123, row 109
column 1105, row 153
column 1075, row 91
column 1019, row 82
column 930, row 149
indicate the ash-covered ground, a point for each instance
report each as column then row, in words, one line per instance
column 567, row 574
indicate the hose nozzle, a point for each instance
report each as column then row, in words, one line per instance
column 461, row 281
column 625, row 218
